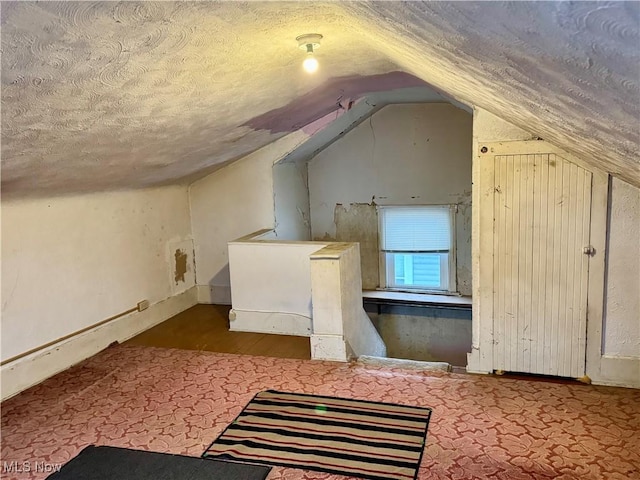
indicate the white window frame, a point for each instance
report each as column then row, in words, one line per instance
column 450, row 286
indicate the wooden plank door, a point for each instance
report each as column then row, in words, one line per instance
column 542, row 208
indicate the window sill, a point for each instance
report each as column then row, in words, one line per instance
column 385, row 297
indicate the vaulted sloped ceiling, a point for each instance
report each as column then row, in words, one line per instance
column 565, row 71
column 106, row 95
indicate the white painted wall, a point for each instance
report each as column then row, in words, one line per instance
column 302, row 288
column 622, row 313
column 228, row 204
column 489, row 128
column 271, row 286
column 404, row 154
column 291, row 201
column 71, row 262
column 359, row 332
column 341, row 328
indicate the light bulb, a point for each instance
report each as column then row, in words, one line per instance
column 309, row 43
column 310, row 64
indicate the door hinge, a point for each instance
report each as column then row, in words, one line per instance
column 589, row 250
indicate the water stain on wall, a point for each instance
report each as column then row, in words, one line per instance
column 180, row 266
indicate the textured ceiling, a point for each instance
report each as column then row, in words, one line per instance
column 105, row 95
column 568, row 72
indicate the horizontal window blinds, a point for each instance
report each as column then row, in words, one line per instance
column 416, row 229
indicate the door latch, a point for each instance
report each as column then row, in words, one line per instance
column 589, row 250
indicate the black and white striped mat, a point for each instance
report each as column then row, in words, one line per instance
column 371, row 440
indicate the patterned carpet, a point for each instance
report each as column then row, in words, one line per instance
column 178, row 401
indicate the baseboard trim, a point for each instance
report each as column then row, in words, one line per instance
column 33, row 369
column 329, row 347
column 214, row 294
column 474, row 363
column 617, row 372
column 269, row 322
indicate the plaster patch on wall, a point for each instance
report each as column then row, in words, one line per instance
column 463, row 242
column 180, row 267
column 358, row 222
column 389, row 160
column 180, row 259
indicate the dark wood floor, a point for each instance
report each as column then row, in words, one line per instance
column 206, row 327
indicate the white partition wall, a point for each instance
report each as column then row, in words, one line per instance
column 341, row 328
column 271, row 285
column 302, row 288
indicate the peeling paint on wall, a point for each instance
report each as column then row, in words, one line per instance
column 359, row 223
column 463, row 242
column 180, row 266
column 328, row 98
column 389, row 160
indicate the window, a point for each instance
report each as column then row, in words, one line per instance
column 417, row 247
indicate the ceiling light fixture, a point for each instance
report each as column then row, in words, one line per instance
column 309, row 43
